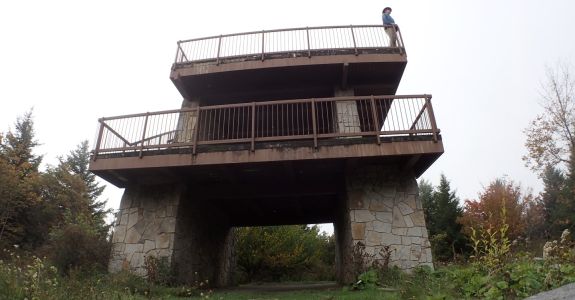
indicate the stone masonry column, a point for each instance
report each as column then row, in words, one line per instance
column 204, row 242
column 347, row 116
column 145, row 226
column 384, row 210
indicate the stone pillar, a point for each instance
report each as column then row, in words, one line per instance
column 347, row 116
column 187, row 122
column 384, row 210
column 174, row 222
column 204, row 245
column 145, row 226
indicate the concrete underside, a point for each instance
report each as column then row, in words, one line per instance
column 191, row 225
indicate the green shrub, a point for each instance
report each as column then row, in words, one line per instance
column 74, row 246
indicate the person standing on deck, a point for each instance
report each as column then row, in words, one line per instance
column 390, row 27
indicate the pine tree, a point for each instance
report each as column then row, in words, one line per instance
column 77, row 162
column 442, row 210
column 427, row 201
column 551, row 197
column 19, row 179
column 17, row 148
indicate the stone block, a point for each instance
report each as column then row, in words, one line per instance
column 399, row 231
column 364, row 215
column 133, row 219
column 134, row 248
column 410, row 200
column 373, row 239
column 356, row 199
column 418, row 218
column 119, row 234
column 163, row 241
column 405, row 253
column 415, row 252
column 398, row 220
column 133, row 236
column 414, row 231
column 408, row 221
column 149, row 245
column 358, row 231
column 416, row 240
column 390, row 239
column 124, row 219
column 405, row 209
column 381, row 226
column 394, row 252
column 381, row 204
column 406, row 240
column 168, row 225
column 386, row 217
column 137, row 261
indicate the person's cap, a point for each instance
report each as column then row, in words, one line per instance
column 387, row 8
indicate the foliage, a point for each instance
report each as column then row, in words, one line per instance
column 442, row 210
column 20, row 179
column 17, row 147
column 491, row 245
column 76, row 245
column 158, row 270
column 77, row 162
column 487, row 213
column 294, row 252
column 550, row 137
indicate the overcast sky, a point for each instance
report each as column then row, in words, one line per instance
column 483, row 62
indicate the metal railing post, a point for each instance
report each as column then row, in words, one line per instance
column 314, row 125
column 263, row 44
column 431, row 117
column 253, row 142
column 375, row 119
column 99, row 141
column 144, row 135
column 196, row 131
column 353, row 37
column 400, row 40
column 308, row 45
column 219, row 47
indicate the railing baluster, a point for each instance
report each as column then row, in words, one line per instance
column 375, row 119
column 196, row 131
column 99, row 140
column 314, row 125
column 253, row 126
column 308, row 44
column 263, row 45
column 144, row 135
column 219, row 47
column 354, row 44
column 431, row 117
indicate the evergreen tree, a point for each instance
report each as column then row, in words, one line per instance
column 426, row 197
column 77, row 161
column 19, row 180
column 554, row 185
column 17, row 147
column 442, row 209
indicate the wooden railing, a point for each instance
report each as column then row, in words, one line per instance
column 272, row 121
column 306, row 41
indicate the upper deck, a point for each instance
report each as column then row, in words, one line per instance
column 259, row 107
column 289, row 64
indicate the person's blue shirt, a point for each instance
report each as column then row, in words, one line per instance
column 387, row 19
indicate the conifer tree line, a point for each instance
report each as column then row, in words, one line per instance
column 55, row 212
